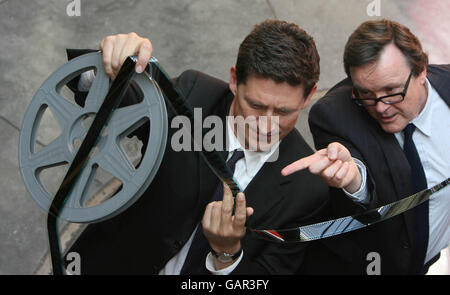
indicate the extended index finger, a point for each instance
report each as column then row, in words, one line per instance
column 303, row 163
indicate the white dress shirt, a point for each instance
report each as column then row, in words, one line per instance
column 432, row 141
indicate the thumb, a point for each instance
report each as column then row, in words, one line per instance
column 337, row 151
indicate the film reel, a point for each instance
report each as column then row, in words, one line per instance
column 109, row 156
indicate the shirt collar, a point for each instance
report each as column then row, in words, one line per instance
column 424, row 120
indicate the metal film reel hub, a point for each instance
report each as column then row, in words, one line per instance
column 108, row 153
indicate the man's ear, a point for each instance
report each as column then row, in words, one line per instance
column 423, row 76
column 308, row 98
column 233, row 80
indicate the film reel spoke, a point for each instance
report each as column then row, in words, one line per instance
column 50, row 155
column 125, row 118
column 78, row 193
column 115, row 162
column 64, row 111
column 97, row 91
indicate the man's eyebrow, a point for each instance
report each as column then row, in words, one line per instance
column 392, row 86
column 248, row 99
column 385, row 87
column 359, row 87
column 285, row 109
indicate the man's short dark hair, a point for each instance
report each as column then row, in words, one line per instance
column 279, row 51
column 366, row 43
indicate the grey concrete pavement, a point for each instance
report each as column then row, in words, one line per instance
column 200, row 34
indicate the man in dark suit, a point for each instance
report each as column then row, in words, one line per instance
column 275, row 76
column 389, row 93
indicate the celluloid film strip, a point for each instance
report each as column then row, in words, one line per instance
column 349, row 223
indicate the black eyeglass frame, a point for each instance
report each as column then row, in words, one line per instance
column 360, row 101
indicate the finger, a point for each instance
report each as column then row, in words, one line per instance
column 129, row 48
column 144, row 54
column 342, row 172
column 215, row 216
column 227, row 205
column 318, row 166
column 206, row 220
column 332, row 150
column 329, row 172
column 107, row 49
column 338, row 151
column 302, row 163
column 250, row 211
column 117, row 50
column 240, row 214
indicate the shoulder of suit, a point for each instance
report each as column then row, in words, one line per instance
column 439, row 68
column 335, row 102
column 191, row 80
column 200, row 89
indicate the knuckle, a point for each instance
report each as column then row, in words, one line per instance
column 312, row 169
column 227, row 209
column 109, row 38
column 222, row 233
column 240, row 218
column 147, row 44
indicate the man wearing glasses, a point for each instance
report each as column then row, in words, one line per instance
column 392, row 113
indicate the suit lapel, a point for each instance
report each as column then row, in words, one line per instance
column 400, row 172
column 269, row 187
column 265, row 191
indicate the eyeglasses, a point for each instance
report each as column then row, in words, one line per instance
column 387, row 99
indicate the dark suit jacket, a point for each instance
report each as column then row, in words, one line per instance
column 336, row 118
column 143, row 238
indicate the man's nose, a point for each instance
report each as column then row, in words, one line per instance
column 381, row 107
column 268, row 124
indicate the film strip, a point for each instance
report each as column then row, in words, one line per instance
column 349, row 223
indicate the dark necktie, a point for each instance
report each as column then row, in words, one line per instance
column 421, row 226
column 200, row 246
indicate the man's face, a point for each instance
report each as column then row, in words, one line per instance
column 272, row 107
column 387, row 76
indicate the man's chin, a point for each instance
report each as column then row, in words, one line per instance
column 393, row 127
column 260, row 146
